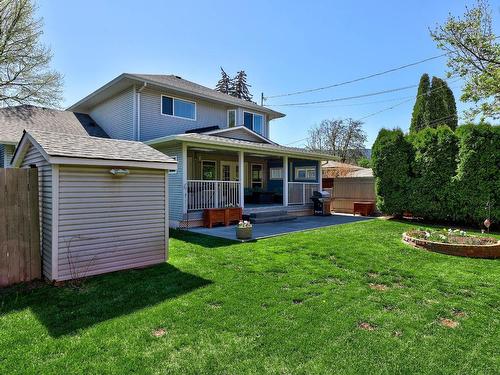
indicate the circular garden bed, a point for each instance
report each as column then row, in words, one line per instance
column 454, row 242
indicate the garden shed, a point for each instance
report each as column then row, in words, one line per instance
column 103, row 202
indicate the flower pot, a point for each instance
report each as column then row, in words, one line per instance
column 244, row 233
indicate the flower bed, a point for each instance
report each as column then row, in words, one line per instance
column 454, row 242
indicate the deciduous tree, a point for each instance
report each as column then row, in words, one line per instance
column 25, row 75
column 473, row 53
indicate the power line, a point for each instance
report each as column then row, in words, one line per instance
column 392, row 107
column 357, row 79
column 345, row 98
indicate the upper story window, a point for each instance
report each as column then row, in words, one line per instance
column 178, row 107
column 253, row 121
column 231, row 118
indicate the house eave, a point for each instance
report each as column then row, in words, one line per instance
column 270, row 149
column 126, row 80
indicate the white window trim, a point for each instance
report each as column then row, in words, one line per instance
column 201, row 170
column 297, row 169
column 263, row 121
column 173, row 107
column 251, row 175
column 235, row 115
column 280, row 169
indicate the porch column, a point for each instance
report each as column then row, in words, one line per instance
column 320, row 175
column 285, row 181
column 241, row 176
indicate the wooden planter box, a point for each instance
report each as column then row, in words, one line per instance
column 225, row 216
column 244, row 233
column 363, row 208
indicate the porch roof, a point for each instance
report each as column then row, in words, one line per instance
column 237, row 144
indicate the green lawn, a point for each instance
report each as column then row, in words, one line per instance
column 346, row 299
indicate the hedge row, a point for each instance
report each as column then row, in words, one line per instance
column 439, row 174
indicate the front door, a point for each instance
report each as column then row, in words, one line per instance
column 257, row 175
column 229, row 171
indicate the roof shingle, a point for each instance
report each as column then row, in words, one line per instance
column 83, row 146
column 13, row 120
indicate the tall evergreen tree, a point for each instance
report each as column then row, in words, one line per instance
column 240, row 88
column 420, row 116
column 452, row 108
column 225, row 84
column 438, row 103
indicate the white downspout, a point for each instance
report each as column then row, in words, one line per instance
column 138, row 134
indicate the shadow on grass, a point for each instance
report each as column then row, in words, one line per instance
column 66, row 310
column 203, row 240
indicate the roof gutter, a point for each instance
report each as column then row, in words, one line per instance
column 138, row 109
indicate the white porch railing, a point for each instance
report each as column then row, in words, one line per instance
column 301, row 192
column 212, row 194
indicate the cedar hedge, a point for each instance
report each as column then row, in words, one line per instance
column 439, row 174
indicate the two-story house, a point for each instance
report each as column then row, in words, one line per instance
column 221, row 143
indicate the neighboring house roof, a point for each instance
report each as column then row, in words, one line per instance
column 13, row 120
column 338, row 164
column 240, row 132
column 363, row 172
column 60, row 148
column 169, row 82
column 228, row 143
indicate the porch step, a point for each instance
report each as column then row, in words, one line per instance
column 270, row 217
column 268, row 213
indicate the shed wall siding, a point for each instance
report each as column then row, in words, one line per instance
column 116, row 115
column 33, row 157
column 109, row 223
column 175, row 188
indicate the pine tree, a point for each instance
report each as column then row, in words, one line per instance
column 452, row 108
column 241, row 87
column 225, row 84
column 420, row 116
column 438, row 103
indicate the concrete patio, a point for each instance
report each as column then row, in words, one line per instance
column 275, row 229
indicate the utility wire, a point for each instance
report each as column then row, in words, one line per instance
column 356, row 79
column 345, row 98
column 392, row 107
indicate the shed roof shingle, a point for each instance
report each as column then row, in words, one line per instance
column 13, row 120
column 82, row 146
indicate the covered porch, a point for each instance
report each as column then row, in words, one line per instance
column 217, row 178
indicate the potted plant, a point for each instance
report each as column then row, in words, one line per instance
column 244, row 230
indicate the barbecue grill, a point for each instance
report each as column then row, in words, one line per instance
column 321, row 201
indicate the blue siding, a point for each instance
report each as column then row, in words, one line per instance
column 116, row 115
column 302, row 163
column 153, row 124
column 175, row 188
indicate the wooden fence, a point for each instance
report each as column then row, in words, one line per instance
column 347, row 190
column 19, row 226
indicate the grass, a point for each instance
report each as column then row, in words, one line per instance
column 346, row 299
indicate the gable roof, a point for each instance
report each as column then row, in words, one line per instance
column 242, row 133
column 169, row 82
column 80, row 149
column 207, row 139
column 14, row 120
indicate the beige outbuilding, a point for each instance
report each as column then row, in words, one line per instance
column 103, row 202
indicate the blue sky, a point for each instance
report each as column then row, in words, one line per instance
column 284, row 46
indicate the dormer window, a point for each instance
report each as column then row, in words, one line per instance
column 175, row 107
column 253, row 121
